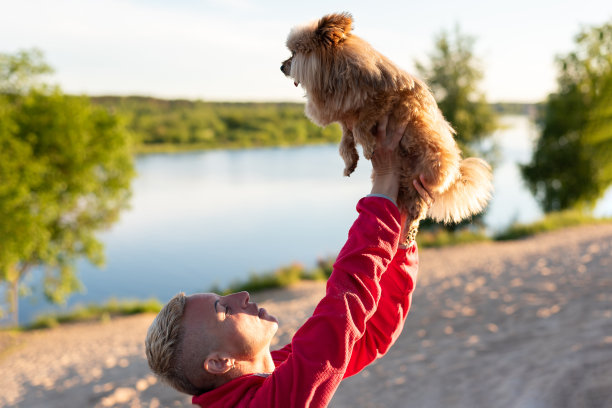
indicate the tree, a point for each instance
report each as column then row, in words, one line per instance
column 571, row 165
column 22, row 71
column 65, row 172
column 453, row 73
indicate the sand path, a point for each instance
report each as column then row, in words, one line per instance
column 524, row 323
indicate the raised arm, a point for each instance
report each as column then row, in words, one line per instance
column 341, row 334
column 386, row 324
column 321, row 349
column 397, row 285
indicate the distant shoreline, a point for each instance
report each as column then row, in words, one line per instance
column 170, row 148
column 180, row 125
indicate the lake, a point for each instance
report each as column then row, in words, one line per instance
column 204, row 218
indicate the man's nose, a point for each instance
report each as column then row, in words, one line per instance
column 242, row 298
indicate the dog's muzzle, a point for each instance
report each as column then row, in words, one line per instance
column 286, row 67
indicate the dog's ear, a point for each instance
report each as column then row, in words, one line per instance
column 334, row 28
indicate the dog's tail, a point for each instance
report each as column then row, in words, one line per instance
column 468, row 195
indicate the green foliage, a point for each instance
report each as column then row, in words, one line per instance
column 65, row 172
column 21, row 71
column 551, row 222
column 94, row 312
column 288, row 275
column 161, row 125
column 439, row 237
column 453, row 73
column 280, row 278
column 571, row 165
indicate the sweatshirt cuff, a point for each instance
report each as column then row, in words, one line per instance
column 383, row 196
column 407, row 246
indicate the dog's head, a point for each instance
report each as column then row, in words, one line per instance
column 312, row 44
column 336, row 68
column 339, row 71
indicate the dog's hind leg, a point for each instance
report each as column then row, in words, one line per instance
column 348, row 151
column 415, row 208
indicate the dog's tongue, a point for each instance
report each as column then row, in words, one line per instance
column 295, row 83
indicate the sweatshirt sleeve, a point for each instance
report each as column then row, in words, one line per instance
column 386, row 324
column 321, row 349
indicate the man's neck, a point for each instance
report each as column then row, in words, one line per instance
column 261, row 363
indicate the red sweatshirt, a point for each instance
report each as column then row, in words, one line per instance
column 362, row 314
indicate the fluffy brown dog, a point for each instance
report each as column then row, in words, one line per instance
column 349, row 82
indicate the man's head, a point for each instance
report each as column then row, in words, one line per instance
column 199, row 342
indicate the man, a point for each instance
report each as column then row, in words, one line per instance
column 217, row 348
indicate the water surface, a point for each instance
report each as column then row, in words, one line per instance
column 205, row 218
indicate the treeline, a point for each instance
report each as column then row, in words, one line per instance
column 159, row 124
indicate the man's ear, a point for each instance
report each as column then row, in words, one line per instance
column 217, row 363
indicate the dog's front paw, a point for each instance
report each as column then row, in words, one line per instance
column 368, row 152
column 349, row 170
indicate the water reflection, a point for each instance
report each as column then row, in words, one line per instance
column 512, row 201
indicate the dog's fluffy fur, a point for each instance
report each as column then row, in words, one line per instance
column 349, row 82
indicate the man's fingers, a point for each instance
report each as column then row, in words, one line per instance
column 399, row 132
column 425, row 186
column 420, row 190
column 389, row 133
column 423, row 191
column 381, row 127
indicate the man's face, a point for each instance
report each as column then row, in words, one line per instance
column 234, row 324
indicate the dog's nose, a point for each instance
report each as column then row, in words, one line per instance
column 282, row 70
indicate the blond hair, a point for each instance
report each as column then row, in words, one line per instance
column 164, row 346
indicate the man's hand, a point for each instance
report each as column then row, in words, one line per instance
column 386, row 159
column 424, row 190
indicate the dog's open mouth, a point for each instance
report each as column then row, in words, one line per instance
column 296, row 83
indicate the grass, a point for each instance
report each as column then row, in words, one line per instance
column 288, row 275
column 93, row 312
column 280, row 278
column 550, row 222
column 291, row 274
column 441, row 237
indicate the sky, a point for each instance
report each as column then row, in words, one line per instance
column 231, row 50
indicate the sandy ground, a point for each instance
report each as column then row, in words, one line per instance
column 526, row 323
